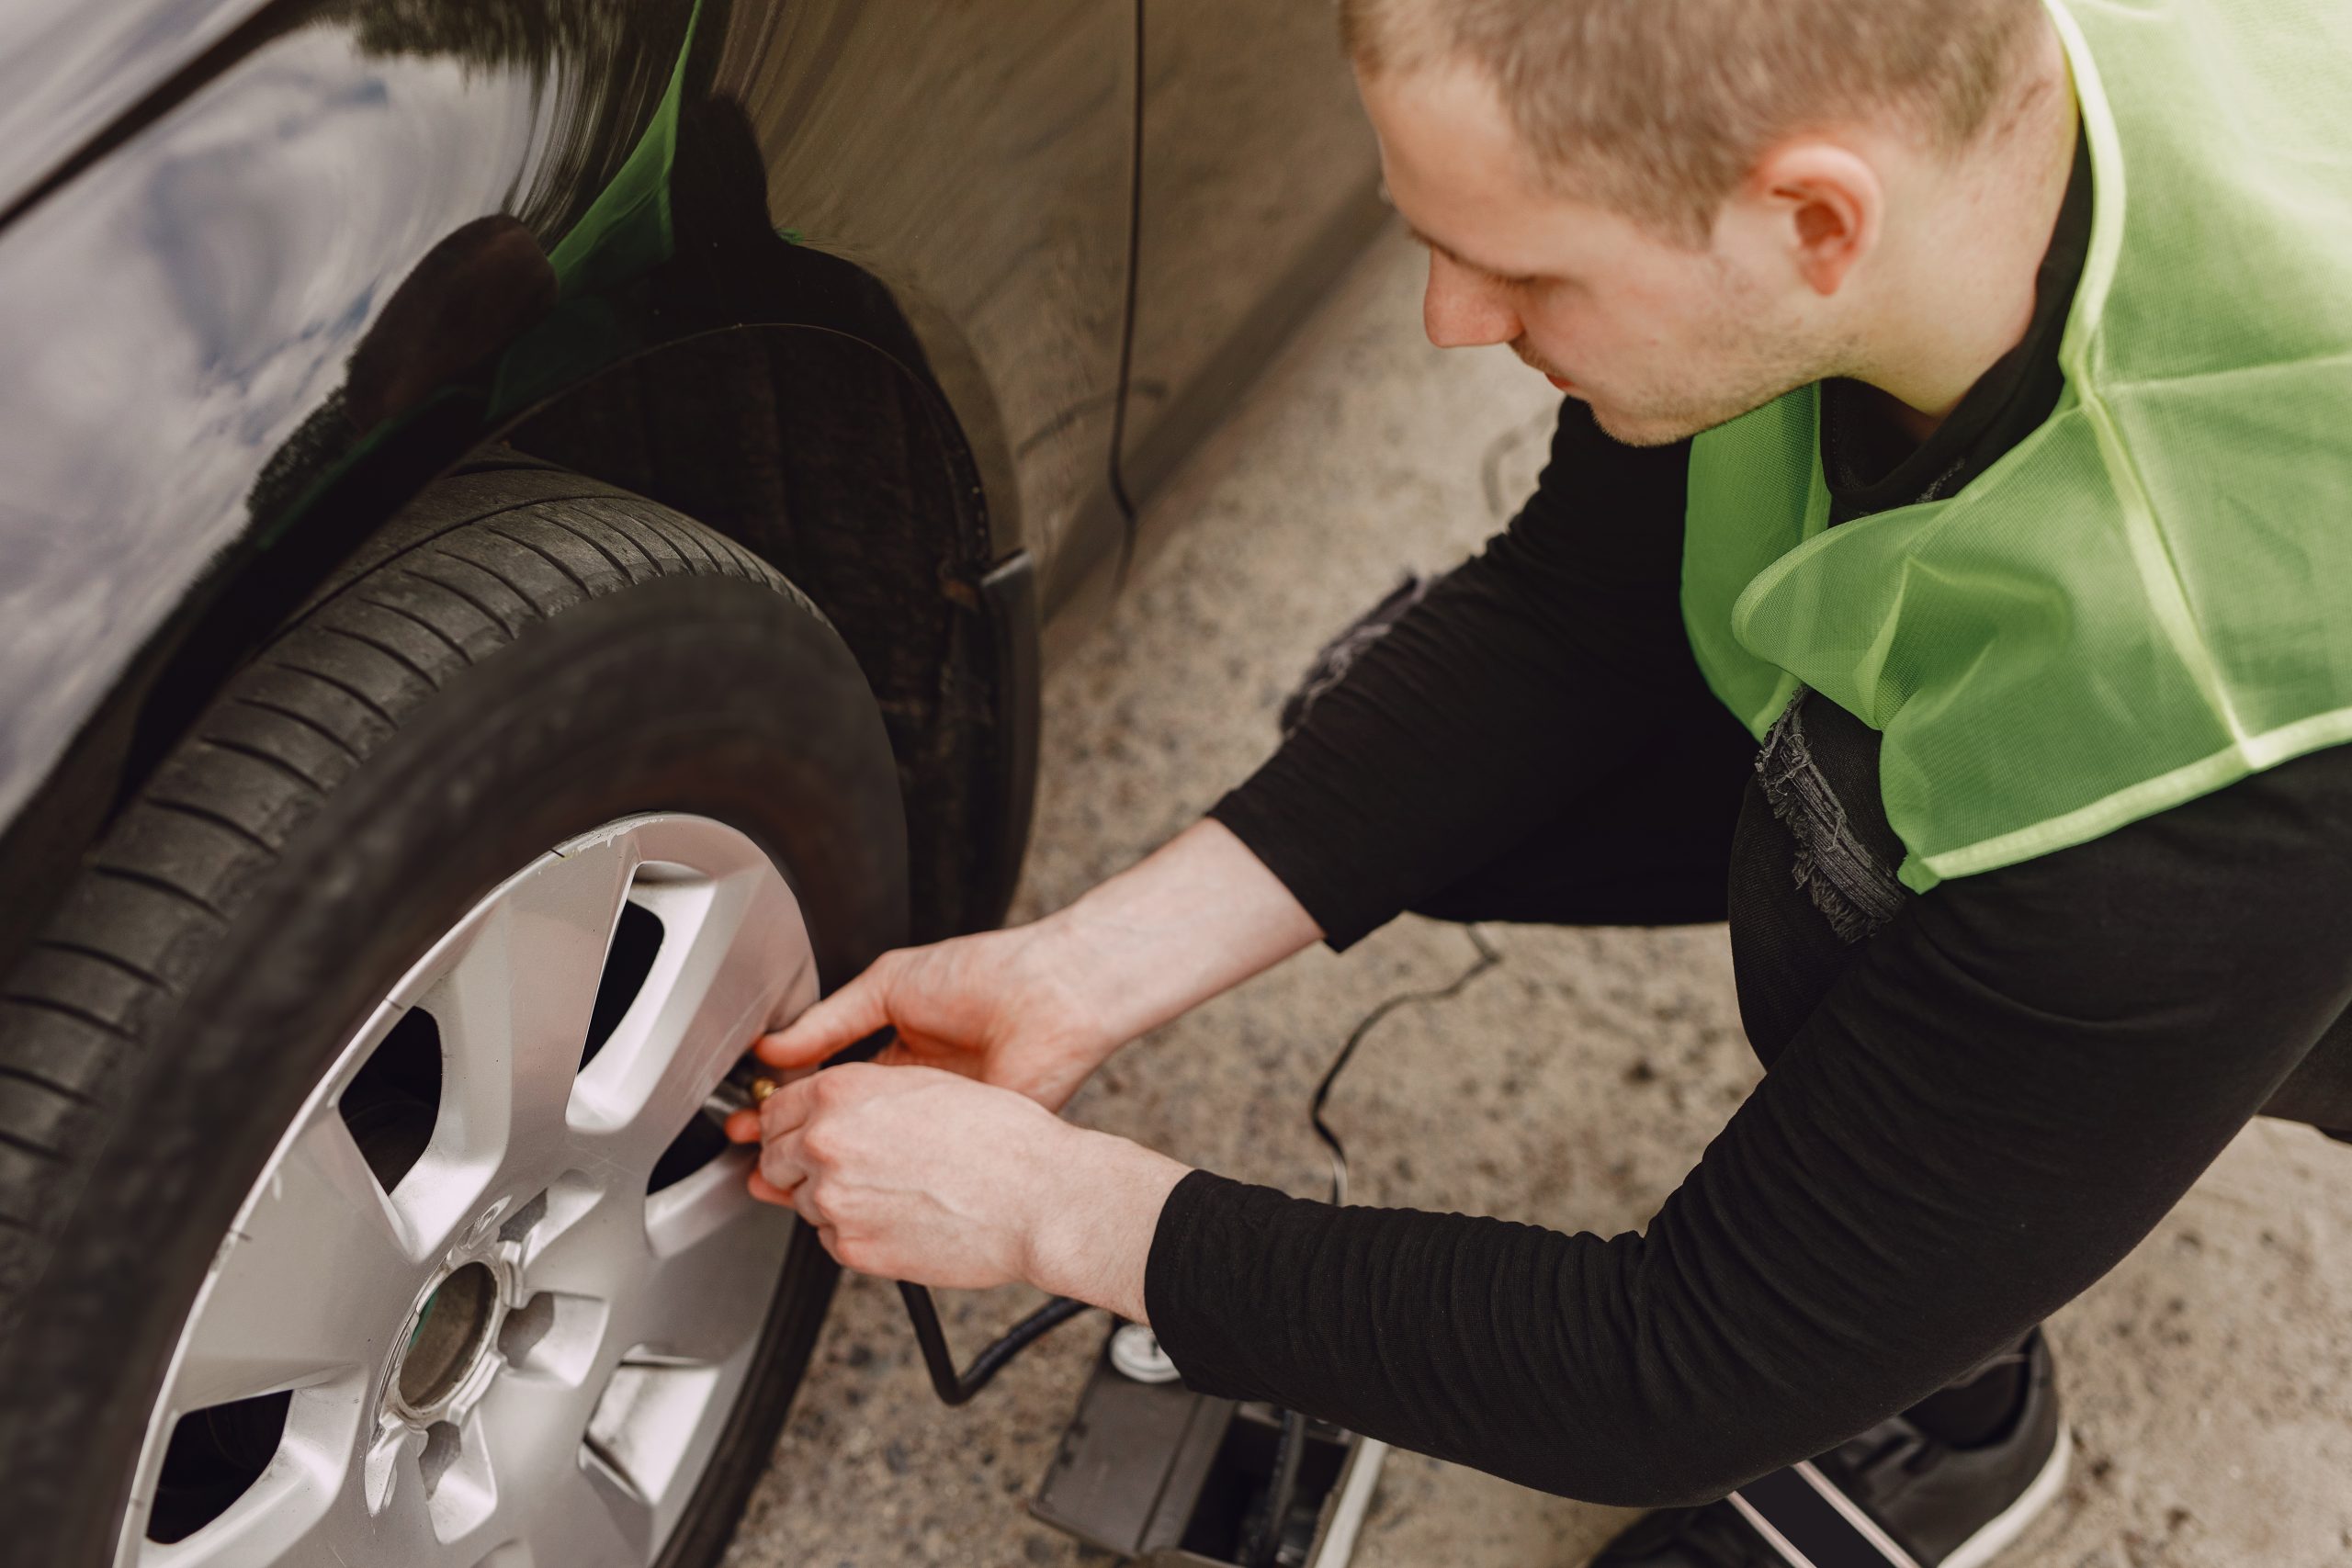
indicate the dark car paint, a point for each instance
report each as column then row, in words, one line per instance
column 248, row 321
column 69, row 70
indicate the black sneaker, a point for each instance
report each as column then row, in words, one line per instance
column 1893, row 1498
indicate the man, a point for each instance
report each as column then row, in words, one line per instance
column 1957, row 406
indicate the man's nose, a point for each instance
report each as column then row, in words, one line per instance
column 1464, row 309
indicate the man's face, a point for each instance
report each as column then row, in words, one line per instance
column 1661, row 342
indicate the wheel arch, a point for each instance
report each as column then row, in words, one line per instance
column 814, row 443
column 911, row 540
column 849, row 471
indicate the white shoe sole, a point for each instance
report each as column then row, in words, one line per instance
column 2003, row 1528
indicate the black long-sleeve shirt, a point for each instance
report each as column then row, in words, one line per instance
column 1967, row 1119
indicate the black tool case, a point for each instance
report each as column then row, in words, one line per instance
column 1154, row 1472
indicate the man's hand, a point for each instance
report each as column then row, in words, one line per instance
column 1000, row 1006
column 1036, row 1009
column 924, row 1176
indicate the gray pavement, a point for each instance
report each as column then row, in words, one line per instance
column 2208, row 1380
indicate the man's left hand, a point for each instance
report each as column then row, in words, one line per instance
column 925, row 1176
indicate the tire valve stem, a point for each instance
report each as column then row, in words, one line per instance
column 747, row 1086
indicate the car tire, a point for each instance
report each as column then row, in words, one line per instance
column 520, row 655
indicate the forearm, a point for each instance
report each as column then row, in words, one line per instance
column 1091, row 1234
column 1197, row 917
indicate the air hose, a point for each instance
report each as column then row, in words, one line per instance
column 1265, row 1539
column 955, row 1388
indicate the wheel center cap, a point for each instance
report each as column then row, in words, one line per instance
column 449, row 1348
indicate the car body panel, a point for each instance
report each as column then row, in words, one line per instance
column 182, row 315
column 1253, row 150
column 178, row 312
column 976, row 159
column 69, row 70
column 270, row 268
column 1258, row 183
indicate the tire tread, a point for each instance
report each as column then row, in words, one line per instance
column 546, row 550
column 383, row 648
column 421, row 623
column 158, row 884
column 581, row 533
column 263, row 755
column 100, row 956
column 297, row 717
column 483, row 560
column 68, row 1009
column 29, row 1078
column 221, row 821
column 505, row 625
column 374, row 708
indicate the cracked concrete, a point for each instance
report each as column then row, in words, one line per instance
column 2208, row 1380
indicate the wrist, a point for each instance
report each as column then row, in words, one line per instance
column 1197, row 916
column 1090, row 1234
column 1099, row 964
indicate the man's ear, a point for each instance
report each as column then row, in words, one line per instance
column 1824, row 206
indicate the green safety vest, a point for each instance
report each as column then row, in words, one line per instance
column 2149, row 597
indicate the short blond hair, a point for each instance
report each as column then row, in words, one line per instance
column 1659, row 108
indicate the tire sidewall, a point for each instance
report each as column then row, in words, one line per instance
column 710, row 697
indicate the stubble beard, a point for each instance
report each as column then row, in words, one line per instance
column 1763, row 373
column 1756, row 360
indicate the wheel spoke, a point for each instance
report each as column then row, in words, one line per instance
column 308, row 1506
column 282, row 1510
column 396, row 1527
column 392, row 1465
column 590, row 1243
column 531, row 1424
column 314, row 1279
column 733, row 957
column 513, row 1009
column 591, row 1516
column 715, row 1257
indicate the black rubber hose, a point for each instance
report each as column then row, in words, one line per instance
column 955, row 1388
column 1488, row 956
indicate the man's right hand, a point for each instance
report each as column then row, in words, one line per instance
column 995, row 1005
column 1037, row 1007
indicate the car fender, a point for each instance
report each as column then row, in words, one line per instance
column 318, row 268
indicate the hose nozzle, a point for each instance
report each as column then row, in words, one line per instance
column 746, row 1086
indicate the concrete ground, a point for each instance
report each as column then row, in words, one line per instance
column 2208, row 1380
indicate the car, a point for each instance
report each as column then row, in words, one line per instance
column 529, row 532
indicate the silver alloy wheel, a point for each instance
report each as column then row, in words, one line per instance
column 516, row 1357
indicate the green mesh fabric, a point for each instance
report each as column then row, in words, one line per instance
column 2151, row 596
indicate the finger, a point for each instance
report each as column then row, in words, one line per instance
column 964, row 1064
column 767, row 1192
column 743, row 1126
column 788, row 1109
column 780, row 1163
column 801, row 1197
column 849, row 1015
